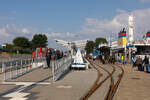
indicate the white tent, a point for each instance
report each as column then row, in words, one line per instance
column 78, row 60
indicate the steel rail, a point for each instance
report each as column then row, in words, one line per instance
column 115, row 86
column 109, row 93
column 97, row 84
column 94, row 86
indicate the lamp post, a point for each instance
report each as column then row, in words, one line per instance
column 131, row 39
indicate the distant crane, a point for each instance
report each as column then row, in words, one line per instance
column 73, row 45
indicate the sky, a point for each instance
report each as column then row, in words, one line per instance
column 71, row 20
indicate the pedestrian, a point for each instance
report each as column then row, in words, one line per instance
column 119, row 59
column 113, row 59
column 48, row 57
column 134, row 61
column 139, row 62
column 55, row 53
column 62, row 54
column 103, row 59
column 123, row 59
column 146, row 61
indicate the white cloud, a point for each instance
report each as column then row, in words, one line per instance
column 25, row 31
column 95, row 27
column 60, row 35
column 53, row 34
column 3, row 33
column 121, row 11
column 9, row 31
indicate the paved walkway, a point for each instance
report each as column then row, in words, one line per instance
column 71, row 87
column 135, row 85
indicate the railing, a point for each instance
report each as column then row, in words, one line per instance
column 5, row 58
column 60, row 67
column 17, row 67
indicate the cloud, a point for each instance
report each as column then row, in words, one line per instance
column 53, row 34
column 60, row 35
column 25, row 31
column 144, row 1
column 95, row 27
column 121, row 11
column 9, row 31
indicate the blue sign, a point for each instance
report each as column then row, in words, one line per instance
column 130, row 46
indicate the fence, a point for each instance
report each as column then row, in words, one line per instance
column 60, row 67
column 5, row 58
column 17, row 67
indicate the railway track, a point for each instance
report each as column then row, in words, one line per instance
column 112, row 75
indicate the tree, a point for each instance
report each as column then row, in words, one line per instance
column 39, row 40
column 22, row 42
column 89, row 47
column 100, row 41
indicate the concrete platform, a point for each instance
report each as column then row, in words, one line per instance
column 71, row 87
column 135, row 85
column 36, row 75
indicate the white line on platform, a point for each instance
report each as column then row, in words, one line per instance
column 27, row 83
column 17, row 94
column 62, row 86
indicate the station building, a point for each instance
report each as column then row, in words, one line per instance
column 121, row 47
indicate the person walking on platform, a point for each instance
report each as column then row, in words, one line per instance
column 48, row 57
column 123, row 59
column 103, row 59
column 139, row 62
column 134, row 61
column 146, row 61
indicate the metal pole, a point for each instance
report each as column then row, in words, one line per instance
column 53, row 70
column 3, row 71
column 11, row 74
column 25, row 65
column 32, row 62
column 129, row 55
column 28, row 65
column 21, row 67
column 16, row 68
column 125, row 55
